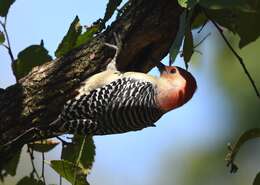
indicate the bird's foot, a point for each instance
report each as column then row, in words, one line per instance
column 118, row 48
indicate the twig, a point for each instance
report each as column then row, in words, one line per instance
column 8, row 47
column 201, row 28
column 62, row 145
column 60, row 180
column 5, row 46
column 202, row 40
column 7, row 39
column 234, row 149
column 78, row 160
column 43, row 159
column 28, row 135
column 22, row 138
column 34, row 171
column 235, row 53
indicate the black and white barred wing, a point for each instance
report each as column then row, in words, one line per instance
column 125, row 104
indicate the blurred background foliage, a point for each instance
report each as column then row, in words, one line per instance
column 206, row 166
column 192, row 150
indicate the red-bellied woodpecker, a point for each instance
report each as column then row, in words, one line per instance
column 111, row 102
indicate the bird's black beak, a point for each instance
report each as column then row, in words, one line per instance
column 161, row 67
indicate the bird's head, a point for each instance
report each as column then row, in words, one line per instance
column 176, row 87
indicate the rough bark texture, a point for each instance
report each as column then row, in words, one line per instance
column 147, row 28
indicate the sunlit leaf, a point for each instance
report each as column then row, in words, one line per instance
column 4, row 6
column 71, row 151
column 2, row 37
column 30, row 57
column 257, row 179
column 43, row 146
column 87, row 35
column 183, row 3
column 29, row 181
column 88, row 155
column 111, row 7
column 187, row 3
column 70, row 39
column 67, row 170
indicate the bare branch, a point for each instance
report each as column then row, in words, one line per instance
column 202, row 40
column 34, row 171
column 43, row 171
column 202, row 27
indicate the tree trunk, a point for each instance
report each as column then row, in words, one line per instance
column 147, row 29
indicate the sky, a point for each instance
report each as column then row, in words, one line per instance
column 133, row 157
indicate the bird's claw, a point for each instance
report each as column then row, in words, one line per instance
column 118, row 48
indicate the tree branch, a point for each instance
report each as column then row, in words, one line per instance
column 147, row 29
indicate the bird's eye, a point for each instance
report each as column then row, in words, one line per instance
column 173, row 70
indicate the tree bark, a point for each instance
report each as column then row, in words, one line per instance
column 147, row 29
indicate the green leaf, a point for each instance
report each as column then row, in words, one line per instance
column 30, row 57
column 87, row 35
column 241, row 5
column 245, row 24
column 71, row 152
column 175, row 48
column 43, row 146
column 29, row 181
column 187, row 47
column 4, row 6
column 70, row 39
column 198, row 21
column 111, row 7
column 187, row 3
column 12, row 165
column 183, row 3
column 183, row 26
column 67, row 170
column 75, row 38
column 2, row 37
column 257, row 179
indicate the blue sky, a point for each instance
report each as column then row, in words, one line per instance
column 132, row 157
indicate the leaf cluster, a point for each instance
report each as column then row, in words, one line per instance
column 239, row 16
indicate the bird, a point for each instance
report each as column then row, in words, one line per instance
column 113, row 102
